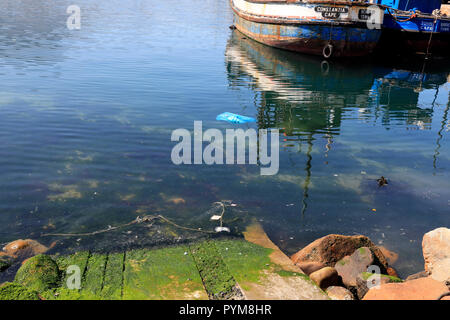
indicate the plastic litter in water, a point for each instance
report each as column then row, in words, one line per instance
column 234, row 118
column 222, row 229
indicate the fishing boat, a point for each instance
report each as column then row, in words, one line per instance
column 415, row 26
column 333, row 28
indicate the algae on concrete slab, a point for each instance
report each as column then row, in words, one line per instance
column 168, row 273
column 112, row 282
column 217, row 278
column 93, row 277
column 246, row 261
column 79, row 259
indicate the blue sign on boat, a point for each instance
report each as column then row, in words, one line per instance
column 234, row 118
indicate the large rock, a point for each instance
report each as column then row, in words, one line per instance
column 326, row 277
column 419, row 289
column 436, row 252
column 39, row 273
column 332, row 248
column 350, row 267
column 418, row 275
column 310, row 267
column 339, row 293
column 24, row 248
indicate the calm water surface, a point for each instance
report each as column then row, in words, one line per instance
column 86, row 118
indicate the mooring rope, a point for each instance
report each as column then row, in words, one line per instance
column 436, row 16
column 147, row 218
column 412, row 16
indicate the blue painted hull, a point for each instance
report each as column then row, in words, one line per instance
column 414, row 36
column 350, row 40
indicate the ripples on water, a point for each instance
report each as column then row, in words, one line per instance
column 86, row 118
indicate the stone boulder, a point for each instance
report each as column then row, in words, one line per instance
column 39, row 273
column 23, row 249
column 436, row 252
column 418, row 275
column 419, row 289
column 339, row 293
column 310, row 267
column 332, row 248
column 326, row 277
column 350, row 267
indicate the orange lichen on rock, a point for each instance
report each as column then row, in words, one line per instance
column 24, row 248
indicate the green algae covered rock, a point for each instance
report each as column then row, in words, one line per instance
column 15, row 291
column 39, row 273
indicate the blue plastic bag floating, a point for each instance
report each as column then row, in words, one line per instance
column 234, row 118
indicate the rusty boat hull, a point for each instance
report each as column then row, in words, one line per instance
column 325, row 28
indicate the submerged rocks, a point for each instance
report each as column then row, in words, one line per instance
column 339, row 293
column 18, row 251
column 419, row 289
column 436, row 252
column 391, row 257
column 39, row 273
column 330, row 249
column 326, row 277
column 15, row 291
column 5, row 262
column 24, row 248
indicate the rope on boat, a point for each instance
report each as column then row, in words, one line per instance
column 436, row 16
column 328, row 49
column 412, row 16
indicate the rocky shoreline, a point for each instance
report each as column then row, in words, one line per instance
column 343, row 267
column 353, row 267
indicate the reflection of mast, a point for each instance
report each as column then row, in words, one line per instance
column 440, row 135
column 328, row 145
column 308, row 176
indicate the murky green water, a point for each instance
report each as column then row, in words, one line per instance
column 86, row 118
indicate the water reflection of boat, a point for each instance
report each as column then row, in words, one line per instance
column 308, row 99
column 319, row 27
column 306, row 96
